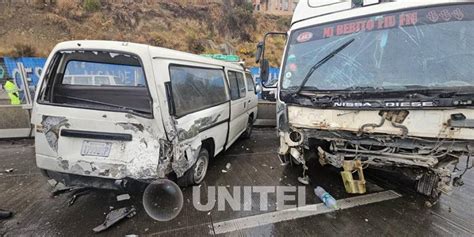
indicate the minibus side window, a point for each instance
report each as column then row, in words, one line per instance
column 234, row 86
column 195, row 88
column 241, row 82
column 237, row 85
column 250, row 83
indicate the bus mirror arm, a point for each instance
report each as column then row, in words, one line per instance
column 264, row 72
column 259, row 52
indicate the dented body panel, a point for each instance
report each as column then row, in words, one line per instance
column 418, row 123
column 114, row 134
column 135, row 158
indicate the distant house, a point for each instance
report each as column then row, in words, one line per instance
column 281, row 7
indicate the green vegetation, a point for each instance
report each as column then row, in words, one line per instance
column 92, row 5
column 238, row 19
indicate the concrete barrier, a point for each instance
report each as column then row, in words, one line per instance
column 14, row 117
column 4, row 99
column 266, row 114
column 14, row 122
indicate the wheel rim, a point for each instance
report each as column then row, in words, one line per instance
column 249, row 128
column 200, row 169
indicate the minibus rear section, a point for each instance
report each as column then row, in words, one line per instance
column 97, row 130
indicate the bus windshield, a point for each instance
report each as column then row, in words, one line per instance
column 428, row 48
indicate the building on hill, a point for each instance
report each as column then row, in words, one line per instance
column 281, row 7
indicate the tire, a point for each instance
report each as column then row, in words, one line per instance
column 248, row 130
column 196, row 174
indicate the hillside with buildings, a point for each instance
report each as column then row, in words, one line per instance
column 280, row 7
column 33, row 27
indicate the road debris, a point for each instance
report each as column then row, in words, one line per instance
column 227, row 168
column 115, row 216
column 61, row 190
column 327, row 199
column 58, row 188
column 53, row 182
column 5, row 214
column 78, row 193
column 304, row 180
column 9, row 170
column 123, row 197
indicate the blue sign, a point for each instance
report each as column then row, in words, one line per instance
column 33, row 67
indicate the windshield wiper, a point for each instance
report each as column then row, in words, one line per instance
column 321, row 62
column 363, row 88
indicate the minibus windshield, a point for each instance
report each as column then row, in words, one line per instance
column 429, row 48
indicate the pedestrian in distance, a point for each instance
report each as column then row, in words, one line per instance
column 12, row 91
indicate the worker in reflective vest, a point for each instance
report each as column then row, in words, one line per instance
column 12, row 91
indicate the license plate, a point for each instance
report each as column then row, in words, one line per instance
column 90, row 148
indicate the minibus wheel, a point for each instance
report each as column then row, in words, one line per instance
column 197, row 173
column 248, row 130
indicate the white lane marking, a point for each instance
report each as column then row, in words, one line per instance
column 300, row 212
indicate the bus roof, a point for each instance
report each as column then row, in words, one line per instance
column 307, row 9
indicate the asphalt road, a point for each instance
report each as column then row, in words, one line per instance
column 253, row 163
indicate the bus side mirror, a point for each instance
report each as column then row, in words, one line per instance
column 258, row 54
column 264, row 71
column 264, row 64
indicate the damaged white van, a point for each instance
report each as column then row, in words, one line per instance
column 156, row 113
